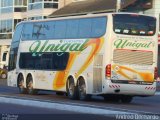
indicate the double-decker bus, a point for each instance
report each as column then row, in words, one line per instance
column 109, row 54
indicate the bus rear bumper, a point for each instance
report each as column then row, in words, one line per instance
column 129, row 89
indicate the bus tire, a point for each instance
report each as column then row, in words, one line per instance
column 20, row 84
column 72, row 91
column 29, row 83
column 126, row 99
column 82, row 90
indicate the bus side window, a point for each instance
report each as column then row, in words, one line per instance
column 85, row 28
column 14, row 47
column 13, row 58
column 99, row 26
column 72, row 29
column 60, row 29
column 46, row 61
column 27, row 31
column 17, row 33
column 4, row 56
column 60, row 60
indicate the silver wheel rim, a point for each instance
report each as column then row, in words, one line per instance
column 82, row 90
column 30, row 85
column 71, row 89
column 21, row 82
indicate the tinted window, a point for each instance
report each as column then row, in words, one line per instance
column 38, row 30
column 60, row 29
column 60, row 60
column 85, row 27
column 13, row 58
column 47, row 61
column 44, row 61
column 65, row 29
column 29, row 60
column 98, row 26
column 28, row 31
column 4, row 57
column 50, row 5
column 72, row 28
column 132, row 24
column 14, row 47
column 17, row 33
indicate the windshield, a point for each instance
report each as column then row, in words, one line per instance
column 133, row 24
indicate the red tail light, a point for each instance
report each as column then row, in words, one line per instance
column 108, row 70
column 155, row 73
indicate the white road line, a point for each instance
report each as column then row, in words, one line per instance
column 83, row 105
column 48, row 105
column 157, row 93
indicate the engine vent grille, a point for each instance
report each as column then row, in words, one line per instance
column 133, row 57
column 97, row 73
column 97, row 80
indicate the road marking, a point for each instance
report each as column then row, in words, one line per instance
column 157, row 93
column 67, row 107
column 76, row 107
column 80, row 104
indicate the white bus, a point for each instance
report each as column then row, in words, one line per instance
column 109, row 54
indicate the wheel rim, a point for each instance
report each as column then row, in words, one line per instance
column 21, row 82
column 30, row 84
column 71, row 89
column 82, row 90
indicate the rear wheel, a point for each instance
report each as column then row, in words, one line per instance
column 82, row 90
column 126, row 99
column 30, row 88
column 71, row 89
column 22, row 89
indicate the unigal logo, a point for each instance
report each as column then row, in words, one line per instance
column 135, row 44
column 40, row 46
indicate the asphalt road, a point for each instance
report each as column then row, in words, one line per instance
column 19, row 112
column 143, row 105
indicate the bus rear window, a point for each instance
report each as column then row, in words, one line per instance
column 132, row 24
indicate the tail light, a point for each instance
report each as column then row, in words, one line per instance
column 108, row 70
column 155, row 73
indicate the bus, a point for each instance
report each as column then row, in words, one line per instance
column 113, row 55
